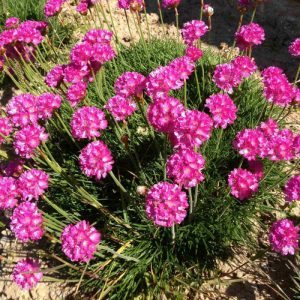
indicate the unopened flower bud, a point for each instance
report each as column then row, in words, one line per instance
column 141, row 190
column 208, row 10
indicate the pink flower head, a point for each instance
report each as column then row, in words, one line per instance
column 75, row 73
column 120, row 107
column 242, row 183
column 47, row 103
column 185, row 167
column 294, row 48
column 296, row 146
column 88, row 122
column 245, row 65
column 244, row 3
column 8, row 192
column 26, row 273
column 55, row 77
column 12, row 23
column 163, row 113
column 13, row 168
column 223, row 110
column 5, row 128
column 193, row 31
column 103, row 53
column 53, row 7
column 296, row 100
column 98, row 36
column 32, row 184
column 130, row 84
column 76, row 92
column 96, row 160
column 249, row 143
column 80, row 241
column 27, row 222
column 166, row 204
column 28, row 139
column 170, row 3
column 82, row 8
column 284, row 237
column 257, row 168
column 292, row 189
column 31, row 32
column 269, row 128
column 23, row 110
column 82, row 53
column 124, row 4
column 249, row 35
column 193, row 53
column 183, row 66
column 226, row 77
column 192, row 129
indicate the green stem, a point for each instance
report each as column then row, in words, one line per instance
column 219, row 141
column 254, row 12
column 161, row 16
column 297, row 75
column 147, row 22
column 185, row 94
column 191, row 201
column 177, row 22
column 201, row 9
column 127, row 21
column 198, row 86
column 173, row 233
column 118, row 183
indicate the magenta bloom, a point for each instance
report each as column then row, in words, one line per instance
column 5, row 128
column 249, row 35
column 12, row 23
column 96, row 160
column 292, row 189
column 163, row 113
column 27, row 222
column 284, row 237
column 192, row 129
column 13, row 168
column 47, row 103
column 183, row 66
column 226, row 77
column 257, row 168
column 294, row 48
column 130, row 84
column 124, row 4
column 28, row 139
column 80, row 241
column 33, row 184
column 77, row 92
column 88, row 122
column 166, row 204
column 120, row 107
column 76, row 73
column 193, row 31
column 223, row 110
column 53, row 7
column 170, row 3
column 245, row 65
column 269, row 128
column 296, row 100
column 23, row 110
column 296, row 146
column 193, row 53
column 8, row 192
column 185, row 167
column 26, row 273
column 55, row 77
column 242, row 183
column 82, row 8
column 82, row 53
column 98, row 36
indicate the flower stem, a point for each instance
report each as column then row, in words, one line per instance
column 161, row 16
column 177, row 22
column 198, row 86
column 173, row 233
column 253, row 13
column 191, row 201
column 117, row 182
column 128, row 25
column 185, row 94
column 297, row 75
column 201, row 9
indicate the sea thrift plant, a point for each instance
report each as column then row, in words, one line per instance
column 8, row 192
column 193, row 53
column 47, row 103
column 12, row 23
column 245, row 66
column 292, row 189
column 77, row 92
column 294, row 47
column 192, row 31
column 53, row 7
column 79, row 241
column 55, row 76
column 5, row 129
column 170, row 3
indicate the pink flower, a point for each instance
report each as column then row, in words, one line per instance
column 130, row 84
column 80, row 241
column 98, row 36
column 124, row 4
column 292, row 189
column 88, row 122
column 23, row 110
column 12, row 23
column 170, row 3
column 13, row 168
column 284, row 237
column 250, row 143
column 163, row 113
column 28, row 139
column 27, row 222
column 103, row 53
column 166, row 204
column 185, row 167
column 223, row 110
column 296, row 146
column 120, row 107
column 26, row 273
column 244, row 3
column 32, row 184
column 75, row 73
column 245, row 65
column 296, row 100
column 82, row 8
column 53, row 7
column 31, row 32
column 269, row 128
column 183, row 66
column 5, row 129
column 82, row 53
column 193, row 31
column 257, row 168
column 249, row 35
column 55, row 77
column 8, row 192
column 294, row 48
column 96, row 160
column 193, row 53
column 192, row 129
column 242, row 183
column 76, row 92
column 226, row 77
column 47, row 103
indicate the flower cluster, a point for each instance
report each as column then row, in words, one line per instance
column 134, row 5
column 5, row 129
column 84, row 5
column 170, row 3
column 80, row 241
column 166, row 204
column 87, row 122
column 55, row 76
column 27, row 222
column 47, row 103
column 12, row 168
column 284, row 237
column 242, row 183
column 8, row 192
column 223, row 110
column 245, row 65
column 192, row 31
column 53, row 7
column 249, row 35
column 294, row 48
column 185, row 168
column 292, row 189
column 193, row 53
column 12, row 23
